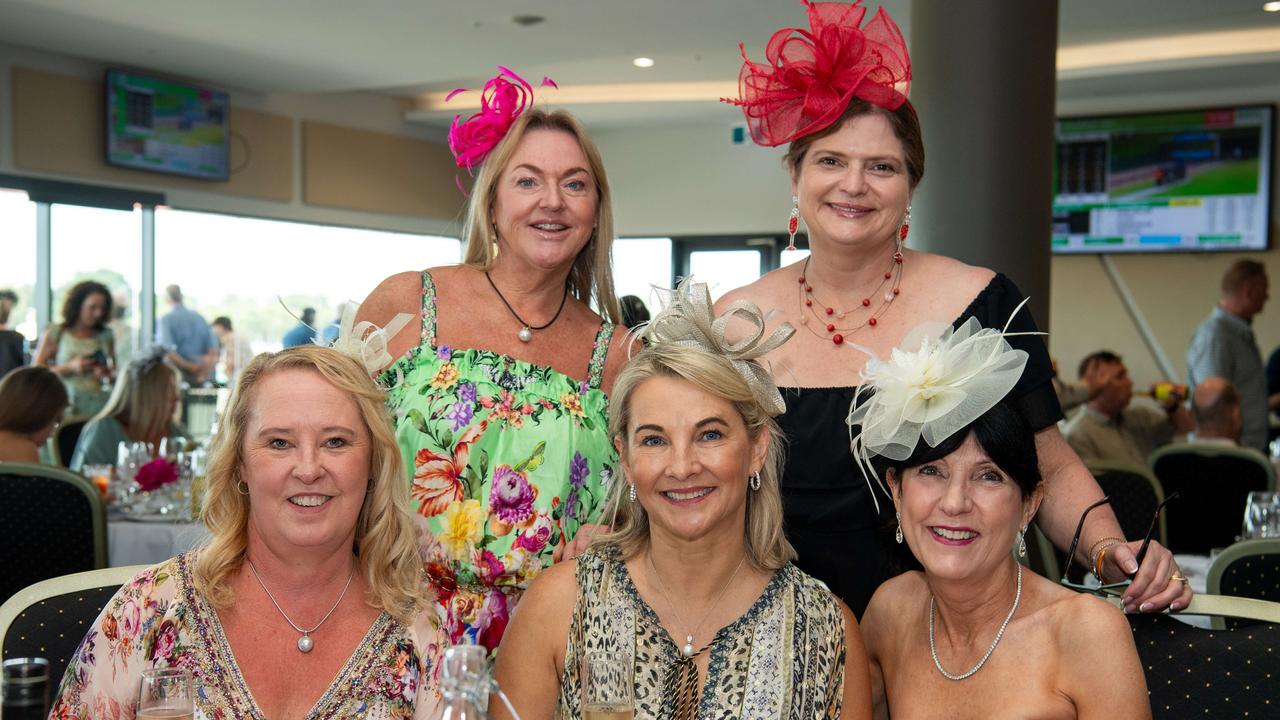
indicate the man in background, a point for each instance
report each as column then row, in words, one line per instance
column 1215, row 408
column 193, row 348
column 13, row 346
column 1224, row 346
column 302, row 333
column 1108, row 428
column 236, row 352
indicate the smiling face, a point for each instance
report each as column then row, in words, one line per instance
column 546, row 199
column 306, row 462
column 853, row 185
column 960, row 513
column 689, row 460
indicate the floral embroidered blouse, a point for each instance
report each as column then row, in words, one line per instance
column 784, row 658
column 159, row 619
column 507, row 460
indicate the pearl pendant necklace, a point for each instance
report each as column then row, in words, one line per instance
column 305, row 643
column 526, row 330
column 688, row 650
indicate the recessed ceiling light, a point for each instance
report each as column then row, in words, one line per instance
column 527, row 20
column 643, row 62
column 1271, row 7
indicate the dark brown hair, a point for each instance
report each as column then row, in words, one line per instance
column 76, row 298
column 30, row 399
column 905, row 124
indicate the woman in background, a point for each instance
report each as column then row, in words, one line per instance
column 32, row 402
column 81, row 349
column 141, row 409
column 500, row 399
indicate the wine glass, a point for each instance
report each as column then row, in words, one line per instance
column 606, row 685
column 1260, row 515
column 166, row 693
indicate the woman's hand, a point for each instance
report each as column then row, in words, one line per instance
column 580, row 541
column 1157, row 585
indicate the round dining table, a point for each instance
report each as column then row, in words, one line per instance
column 147, row 541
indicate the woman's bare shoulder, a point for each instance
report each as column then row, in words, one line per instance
column 892, row 604
column 396, row 294
column 950, row 270
column 552, row 595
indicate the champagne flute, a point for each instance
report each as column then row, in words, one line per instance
column 606, row 685
column 166, row 693
column 1259, row 510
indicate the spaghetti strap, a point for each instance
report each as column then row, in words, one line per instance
column 428, row 309
column 599, row 352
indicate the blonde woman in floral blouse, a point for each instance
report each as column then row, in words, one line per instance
column 500, row 401
column 307, row 600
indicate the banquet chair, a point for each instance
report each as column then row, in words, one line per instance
column 1214, row 482
column 1193, row 672
column 50, row 618
column 1249, row 569
column 52, row 522
column 64, row 441
column 1135, row 495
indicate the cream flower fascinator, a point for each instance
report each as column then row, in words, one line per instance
column 688, row 318
column 365, row 341
column 929, row 389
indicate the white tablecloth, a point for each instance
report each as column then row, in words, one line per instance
column 130, row 542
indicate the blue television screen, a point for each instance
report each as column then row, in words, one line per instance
column 166, row 126
column 1164, row 182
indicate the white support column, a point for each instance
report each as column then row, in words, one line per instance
column 147, row 293
column 43, row 296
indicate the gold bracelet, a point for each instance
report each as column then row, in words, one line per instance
column 1102, row 553
column 1093, row 549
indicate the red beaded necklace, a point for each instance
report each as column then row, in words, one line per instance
column 827, row 315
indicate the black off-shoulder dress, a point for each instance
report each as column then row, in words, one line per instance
column 829, row 514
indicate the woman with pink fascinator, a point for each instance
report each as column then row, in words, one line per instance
column 500, row 398
column 836, row 94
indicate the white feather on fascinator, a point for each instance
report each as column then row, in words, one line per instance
column 929, row 389
column 688, row 318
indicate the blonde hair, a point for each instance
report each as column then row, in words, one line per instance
column 767, row 545
column 591, row 277
column 386, row 540
column 139, row 399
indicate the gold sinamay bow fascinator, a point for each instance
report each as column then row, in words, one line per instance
column 688, row 318
column 929, row 389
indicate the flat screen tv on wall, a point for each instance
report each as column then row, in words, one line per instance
column 1180, row 181
column 166, row 126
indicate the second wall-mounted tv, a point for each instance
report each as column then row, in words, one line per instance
column 167, row 126
column 1181, row 181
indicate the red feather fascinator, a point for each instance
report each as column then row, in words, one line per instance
column 811, row 75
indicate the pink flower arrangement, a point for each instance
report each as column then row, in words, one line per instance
column 156, row 474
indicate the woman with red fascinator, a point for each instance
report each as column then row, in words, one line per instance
column 836, row 93
column 500, row 398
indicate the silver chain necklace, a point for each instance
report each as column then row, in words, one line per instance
column 305, row 643
column 999, row 634
column 688, row 650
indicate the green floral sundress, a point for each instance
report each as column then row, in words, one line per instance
column 506, row 459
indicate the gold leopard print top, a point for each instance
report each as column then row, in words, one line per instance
column 784, row 658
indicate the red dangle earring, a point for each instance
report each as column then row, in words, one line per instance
column 793, row 223
column 906, row 225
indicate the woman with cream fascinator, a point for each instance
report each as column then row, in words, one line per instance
column 974, row 632
column 694, row 586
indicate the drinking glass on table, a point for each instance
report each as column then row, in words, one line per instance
column 1262, row 515
column 166, row 693
column 100, row 476
column 606, row 685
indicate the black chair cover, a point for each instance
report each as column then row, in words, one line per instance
column 1213, row 488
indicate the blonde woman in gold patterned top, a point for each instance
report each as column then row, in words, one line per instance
column 307, row 600
column 695, row 584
